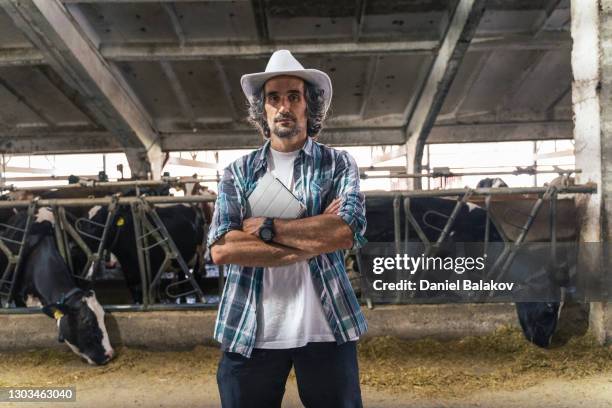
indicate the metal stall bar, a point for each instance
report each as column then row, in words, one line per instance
column 93, row 258
column 140, row 252
column 449, row 223
column 60, row 238
column 510, row 250
column 157, row 230
column 9, row 276
column 397, row 234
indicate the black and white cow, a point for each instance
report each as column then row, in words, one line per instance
column 538, row 319
column 464, row 239
column 491, row 182
column 44, row 279
column 184, row 223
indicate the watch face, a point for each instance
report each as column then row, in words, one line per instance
column 266, row 234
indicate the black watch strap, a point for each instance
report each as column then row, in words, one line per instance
column 269, row 222
column 266, row 231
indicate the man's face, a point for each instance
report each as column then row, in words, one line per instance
column 285, row 106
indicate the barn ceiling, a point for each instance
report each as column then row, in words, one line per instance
column 111, row 75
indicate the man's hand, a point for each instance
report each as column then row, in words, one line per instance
column 252, row 225
column 333, row 207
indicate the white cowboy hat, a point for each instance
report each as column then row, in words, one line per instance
column 283, row 63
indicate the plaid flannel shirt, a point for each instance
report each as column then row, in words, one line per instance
column 320, row 175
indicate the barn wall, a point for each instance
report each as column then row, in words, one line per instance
column 186, row 329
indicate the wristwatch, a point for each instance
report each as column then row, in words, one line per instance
column 266, row 231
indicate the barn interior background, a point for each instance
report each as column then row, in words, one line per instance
column 428, row 94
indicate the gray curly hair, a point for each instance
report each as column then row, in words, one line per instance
column 315, row 111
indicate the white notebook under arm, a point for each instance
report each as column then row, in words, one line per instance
column 272, row 199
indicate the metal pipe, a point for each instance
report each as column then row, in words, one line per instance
column 133, row 183
column 577, row 189
column 68, row 228
column 507, row 256
column 480, row 173
column 87, row 202
column 102, row 184
column 122, row 308
column 166, row 199
column 397, row 233
column 38, row 178
column 136, row 211
column 449, row 223
column 415, row 225
column 59, row 238
column 487, row 226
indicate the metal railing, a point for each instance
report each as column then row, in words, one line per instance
column 143, row 209
column 511, row 247
column 150, row 232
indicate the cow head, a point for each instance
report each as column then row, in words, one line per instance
column 80, row 320
column 122, row 220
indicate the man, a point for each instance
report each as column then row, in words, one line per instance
column 287, row 301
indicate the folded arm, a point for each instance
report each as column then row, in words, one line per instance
column 234, row 240
column 241, row 248
column 319, row 234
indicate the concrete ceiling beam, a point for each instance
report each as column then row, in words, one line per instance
column 501, row 132
column 249, row 138
column 192, row 51
column 91, row 140
column 61, row 143
column 21, row 57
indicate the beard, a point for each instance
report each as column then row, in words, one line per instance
column 287, row 132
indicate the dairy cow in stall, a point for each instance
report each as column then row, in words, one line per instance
column 44, row 279
column 538, row 319
column 185, row 225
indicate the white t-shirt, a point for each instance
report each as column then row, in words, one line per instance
column 289, row 312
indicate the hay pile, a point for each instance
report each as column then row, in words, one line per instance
column 503, row 360
column 426, row 368
column 64, row 368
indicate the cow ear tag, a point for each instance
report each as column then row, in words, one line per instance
column 120, row 222
column 57, row 314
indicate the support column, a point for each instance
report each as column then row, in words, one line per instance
column 462, row 26
column 592, row 105
column 145, row 164
column 413, row 163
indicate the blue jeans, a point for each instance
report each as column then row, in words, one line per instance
column 327, row 376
